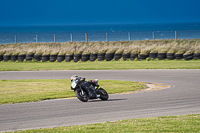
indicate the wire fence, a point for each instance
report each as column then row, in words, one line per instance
column 93, row 36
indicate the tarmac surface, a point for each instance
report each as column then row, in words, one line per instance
column 181, row 98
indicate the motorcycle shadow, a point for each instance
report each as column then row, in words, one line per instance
column 109, row 100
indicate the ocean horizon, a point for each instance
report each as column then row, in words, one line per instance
column 97, row 32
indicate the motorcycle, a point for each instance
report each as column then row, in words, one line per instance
column 85, row 90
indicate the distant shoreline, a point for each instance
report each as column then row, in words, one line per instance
column 95, row 24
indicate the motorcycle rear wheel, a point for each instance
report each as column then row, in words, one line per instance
column 82, row 97
column 103, row 94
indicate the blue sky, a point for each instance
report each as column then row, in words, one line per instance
column 52, row 12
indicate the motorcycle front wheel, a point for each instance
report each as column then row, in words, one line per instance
column 103, row 94
column 81, row 95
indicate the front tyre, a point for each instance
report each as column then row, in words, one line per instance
column 103, row 94
column 81, row 95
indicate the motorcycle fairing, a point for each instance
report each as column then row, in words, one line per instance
column 89, row 89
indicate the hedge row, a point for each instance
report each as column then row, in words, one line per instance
column 99, row 57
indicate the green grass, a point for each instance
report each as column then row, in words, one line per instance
column 104, row 65
column 18, row 91
column 182, row 123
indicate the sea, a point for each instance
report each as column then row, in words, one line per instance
column 98, row 32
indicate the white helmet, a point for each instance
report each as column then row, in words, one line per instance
column 74, row 77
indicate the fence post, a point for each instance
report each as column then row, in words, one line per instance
column 153, row 36
column 86, row 39
column 36, row 38
column 106, row 37
column 71, row 37
column 54, row 38
column 129, row 36
column 15, row 39
column 175, row 35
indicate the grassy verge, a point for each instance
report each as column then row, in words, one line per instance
column 183, row 123
column 17, row 91
column 143, row 47
column 104, row 65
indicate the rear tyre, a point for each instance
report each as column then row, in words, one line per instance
column 81, row 96
column 103, row 94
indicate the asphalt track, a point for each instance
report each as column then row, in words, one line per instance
column 182, row 98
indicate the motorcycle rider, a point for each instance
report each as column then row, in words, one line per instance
column 74, row 77
column 89, row 87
